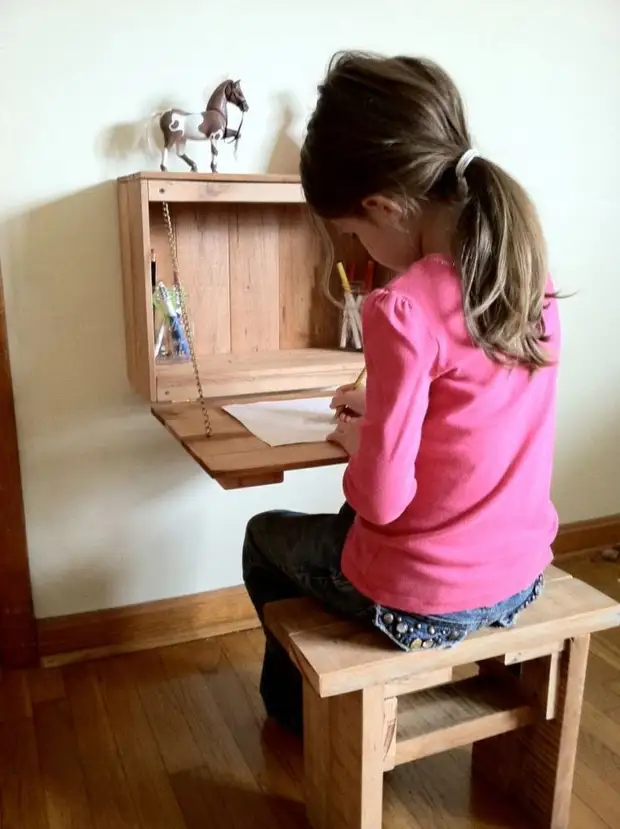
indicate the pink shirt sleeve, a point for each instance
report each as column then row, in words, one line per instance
column 401, row 356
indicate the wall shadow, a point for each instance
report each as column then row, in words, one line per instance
column 284, row 156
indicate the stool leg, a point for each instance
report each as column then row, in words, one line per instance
column 344, row 755
column 316, row 756
column 535, row 766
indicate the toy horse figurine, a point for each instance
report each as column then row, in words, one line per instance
column 179, row 126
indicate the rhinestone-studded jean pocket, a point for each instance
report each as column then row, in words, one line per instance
column 508, row 618
column 412, row 633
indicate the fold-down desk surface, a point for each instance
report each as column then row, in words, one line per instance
column 233, row 455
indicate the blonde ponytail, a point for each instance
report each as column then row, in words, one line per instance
column 501, row 255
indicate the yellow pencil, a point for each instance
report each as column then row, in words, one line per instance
column 361, row 376
column 343, row 278
column 356, row 385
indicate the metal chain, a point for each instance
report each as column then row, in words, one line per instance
column 185, row 317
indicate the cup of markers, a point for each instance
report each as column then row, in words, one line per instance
column 170, row 336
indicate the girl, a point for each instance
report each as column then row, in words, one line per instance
column 448, row 521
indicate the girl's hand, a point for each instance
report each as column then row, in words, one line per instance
column 347, row 435
column 351, row 399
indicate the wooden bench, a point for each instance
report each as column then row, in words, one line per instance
column 369, row 707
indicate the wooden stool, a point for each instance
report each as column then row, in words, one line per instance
column 369, row 707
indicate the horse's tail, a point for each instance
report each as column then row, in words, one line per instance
column 150, row 128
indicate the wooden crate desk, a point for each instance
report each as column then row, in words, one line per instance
column 369, row 707
column 251, row 264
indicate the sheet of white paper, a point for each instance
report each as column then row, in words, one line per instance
column 282, row 422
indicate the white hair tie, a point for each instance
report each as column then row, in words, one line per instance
column 464, row 161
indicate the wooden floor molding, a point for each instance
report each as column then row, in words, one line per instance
column 83, row 636
column 583, row 537
column 187, row 618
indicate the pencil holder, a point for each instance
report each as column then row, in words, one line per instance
column 170, row 337
column 351, row 318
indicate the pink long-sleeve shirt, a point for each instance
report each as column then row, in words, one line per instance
column 451, row 481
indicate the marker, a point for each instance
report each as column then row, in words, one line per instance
column 153, row 270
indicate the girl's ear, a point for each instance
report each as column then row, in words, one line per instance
column 383, row 210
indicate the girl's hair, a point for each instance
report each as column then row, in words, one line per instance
column 397, row 126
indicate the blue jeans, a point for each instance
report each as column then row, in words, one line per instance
column 288, row 555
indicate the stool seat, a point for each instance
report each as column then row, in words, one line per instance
column 514, row 693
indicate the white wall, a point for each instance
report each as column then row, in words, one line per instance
column 116, row 512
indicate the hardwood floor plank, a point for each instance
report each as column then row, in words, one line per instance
column 224, row 766
column 265, row 748
column 438, row 790
column 602, row 799
column 607, row 651
column 45, row 684
column 147, row 778
column 600, row 690
column 177, row 746
column 61, row 770
column 22, row 805
column 106, row 782
column 14, row 696
column 275, row 757
column 584, row 817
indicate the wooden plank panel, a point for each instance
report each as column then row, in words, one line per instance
column 136, row 271
column 266, row 459
column 355, row 771
column 548, row 649
column 266, row 373
column 553, row 573
column 302, row 309
column 568, row 608
column 222, row 191
column 444, row 718
column 317, row 766
column 204, row 271
column 418, row 683
column 390, row 716
column 254, row 178
column 254, row 279
column 233, row 454
column 291, row 616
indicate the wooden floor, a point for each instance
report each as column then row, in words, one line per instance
column 176, row 739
